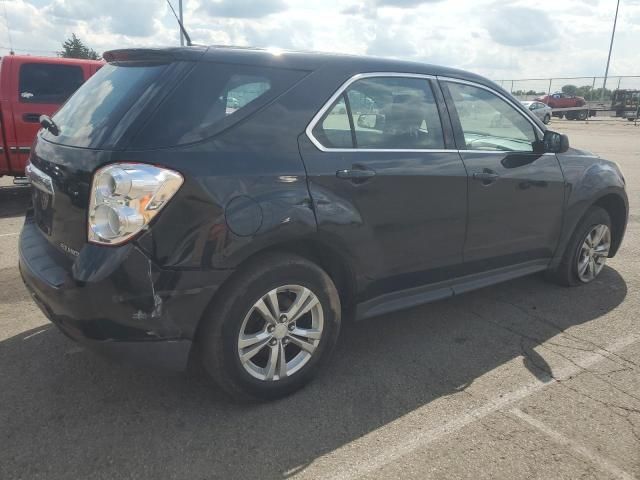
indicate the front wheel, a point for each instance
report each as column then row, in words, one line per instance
column 587, row 252
column 546, row 119
column 271, row 328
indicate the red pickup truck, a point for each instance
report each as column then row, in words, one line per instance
column 30, row 87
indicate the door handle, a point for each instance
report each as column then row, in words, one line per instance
column 355, row 174
column 487, row 177
column 31, row 117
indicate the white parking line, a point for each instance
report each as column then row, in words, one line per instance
column 394, row 450
column 9, row 234
column 561, row 439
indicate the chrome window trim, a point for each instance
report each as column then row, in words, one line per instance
column 318, row 116
column 496, row 93
column 503, row 152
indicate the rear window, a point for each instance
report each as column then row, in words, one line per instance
column 211, row 98
column 162, row 105
column 95, row 116
column 48, row 83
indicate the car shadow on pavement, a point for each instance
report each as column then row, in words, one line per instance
column 14, row 201
column 67, row 413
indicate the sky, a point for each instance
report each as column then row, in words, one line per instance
column 498, row 39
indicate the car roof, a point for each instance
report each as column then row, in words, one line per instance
column 303, row 60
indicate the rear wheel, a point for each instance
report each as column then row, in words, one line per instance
column 271, row 329
column 582, row 115
column 587, row 251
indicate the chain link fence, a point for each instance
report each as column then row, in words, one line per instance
column 591, row 88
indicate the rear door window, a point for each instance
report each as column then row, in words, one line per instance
column 48, row 82
column 210, row 99
column 386, row 113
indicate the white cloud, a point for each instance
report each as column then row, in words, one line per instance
column 499, row 39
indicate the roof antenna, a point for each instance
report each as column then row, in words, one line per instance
column 182, row 29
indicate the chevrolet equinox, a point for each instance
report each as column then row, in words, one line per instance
column 231, row 204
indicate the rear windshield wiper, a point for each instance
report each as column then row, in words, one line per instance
column 49, row 124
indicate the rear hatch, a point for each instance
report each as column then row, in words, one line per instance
column 94, row 127
column 142, row 100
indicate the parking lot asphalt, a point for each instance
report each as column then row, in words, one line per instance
column 520, row 380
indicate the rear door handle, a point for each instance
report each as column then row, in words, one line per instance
column 487, row 177
column 355, row 174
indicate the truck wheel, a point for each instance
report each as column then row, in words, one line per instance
column 582, row 115
column 631, row 119
column 587, row 250
column 546, row 119
column 271, row 329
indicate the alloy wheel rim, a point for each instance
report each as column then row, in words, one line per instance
column 280, row 333
column 593, row 253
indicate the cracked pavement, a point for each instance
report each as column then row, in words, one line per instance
column 520, row 380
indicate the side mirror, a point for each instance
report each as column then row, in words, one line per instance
column 555, row 142
column 370, row 120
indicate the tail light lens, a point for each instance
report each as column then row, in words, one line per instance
column 125, row 197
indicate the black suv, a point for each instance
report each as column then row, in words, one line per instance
column 232, row 204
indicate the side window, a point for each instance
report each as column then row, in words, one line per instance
column 490, row 123
column 48, row 83
column 334, row 130
column 243, row 89
column 215, row 96
column 386, row 113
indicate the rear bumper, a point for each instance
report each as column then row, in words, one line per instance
column 116, row 300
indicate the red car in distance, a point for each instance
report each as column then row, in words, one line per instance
column 562, row 100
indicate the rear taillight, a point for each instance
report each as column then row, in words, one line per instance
column 125, row 197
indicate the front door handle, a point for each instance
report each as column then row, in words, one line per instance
column 487, row 177
column 355, row 174
column 31, row 117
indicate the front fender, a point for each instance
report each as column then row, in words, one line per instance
column 589, row 180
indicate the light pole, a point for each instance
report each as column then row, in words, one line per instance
column 613, row 33
column 182, row 22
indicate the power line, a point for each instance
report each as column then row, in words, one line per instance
column 28, row 50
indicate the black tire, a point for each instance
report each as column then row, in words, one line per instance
column 631, row 119
column 546, row 119
column 217, row 338
column 582, row 115
column 567, row 271
column 570, row 116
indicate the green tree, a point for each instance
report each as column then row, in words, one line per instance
column 569, row 89
column 74, row 48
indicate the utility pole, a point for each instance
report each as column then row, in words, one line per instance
column 613, row 33
column 182, row 22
